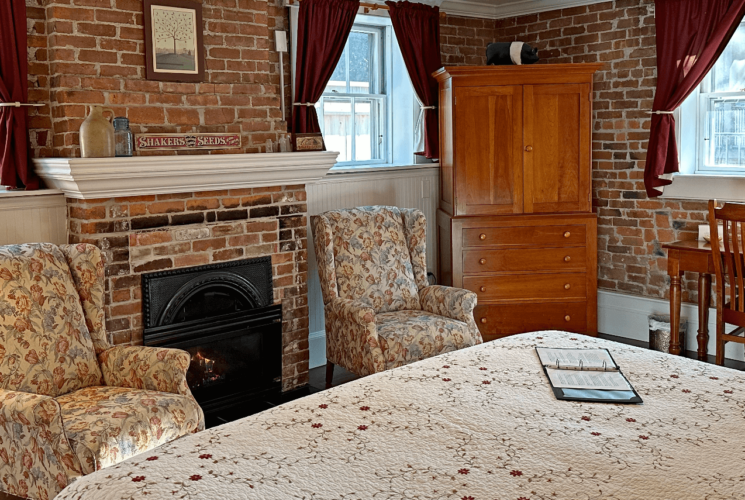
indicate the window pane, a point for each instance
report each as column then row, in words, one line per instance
column 338, row 81
column 725, row 123
column 360, row 46
column 337, row 127
column 368, row 135
column 728, row 73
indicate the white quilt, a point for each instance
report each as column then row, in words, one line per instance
column 477, row 424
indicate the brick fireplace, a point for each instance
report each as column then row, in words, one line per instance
column 178, row 225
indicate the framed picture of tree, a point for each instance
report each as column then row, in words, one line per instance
column 174, row 49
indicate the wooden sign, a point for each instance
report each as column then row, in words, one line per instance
column 154, row 142
column 308, row 142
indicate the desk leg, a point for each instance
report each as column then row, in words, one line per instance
column 675, row 314
column 704, row 299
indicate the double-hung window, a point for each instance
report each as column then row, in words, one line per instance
column 353, row 109
column 712, row 124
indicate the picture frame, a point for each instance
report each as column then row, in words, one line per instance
column 174, row 41
column 308, row 142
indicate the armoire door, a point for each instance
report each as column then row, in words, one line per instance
column 488, row 150
column 557, row 148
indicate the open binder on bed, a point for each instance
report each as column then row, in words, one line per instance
column 590, row 375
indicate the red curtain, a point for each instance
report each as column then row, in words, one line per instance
column 417, row 28
column 15, row 170
column 691, row 35
column 322, row 32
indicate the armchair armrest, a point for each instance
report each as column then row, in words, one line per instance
column 352, row 336
column 140, row 367
column 33, row 439
column 454, row 303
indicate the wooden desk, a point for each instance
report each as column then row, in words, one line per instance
column 694, row 256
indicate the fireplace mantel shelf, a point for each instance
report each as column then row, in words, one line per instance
column 88, row 178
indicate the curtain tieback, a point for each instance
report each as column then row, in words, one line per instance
column 428, row 107
column 303, row 104
column 660, row 112
column 19, row 104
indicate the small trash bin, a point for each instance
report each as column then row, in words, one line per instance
column 659, row 332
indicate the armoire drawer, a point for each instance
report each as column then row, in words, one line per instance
column 506, row 319
column 480, row 261
column 547, row 236
column 565, row 286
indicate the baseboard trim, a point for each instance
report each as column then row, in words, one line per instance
column 626, row 316
column 619, row 314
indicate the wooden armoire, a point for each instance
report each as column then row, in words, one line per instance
column 515, row 223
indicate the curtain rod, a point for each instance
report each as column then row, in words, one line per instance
column 18, row 104
column 367, row 6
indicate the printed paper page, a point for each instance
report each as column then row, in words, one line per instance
column 593, row 379
column 570, row 358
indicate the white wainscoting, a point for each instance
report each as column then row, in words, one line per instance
column 626, row 316
column 417, row 187
column 33, row 216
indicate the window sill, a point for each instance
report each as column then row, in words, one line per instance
column 706, row 187
column 364, row 169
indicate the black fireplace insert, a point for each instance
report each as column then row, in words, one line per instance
column 223, row 315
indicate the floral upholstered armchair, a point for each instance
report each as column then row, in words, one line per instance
column 380, row 312
column 70, row 403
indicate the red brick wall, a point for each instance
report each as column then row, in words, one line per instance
column 463, row 40
column 631, row 227
column 151, row 233
column 93, row 53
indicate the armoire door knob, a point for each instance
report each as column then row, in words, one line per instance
column 528, row 148
column 567, row 234
column 567, row 318
column 567, row 286
column 483, row 320
column 482, row 236
column 482, row 261
column 483, row 288
column 567, row 258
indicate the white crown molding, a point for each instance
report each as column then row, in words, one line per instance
column 87, row 178
column 468, row 8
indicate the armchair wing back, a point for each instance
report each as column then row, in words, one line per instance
column 379, row 310
column 46, row 348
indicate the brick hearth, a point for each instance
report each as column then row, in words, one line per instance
column 169, row 231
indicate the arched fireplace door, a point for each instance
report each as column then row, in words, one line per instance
column 223, row 315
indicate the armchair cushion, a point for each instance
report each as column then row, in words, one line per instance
column 351, row 337
column 47, row 348
column 371, row 258
column 409, row 336
column 36, row 459
column 151, row 368
column 106, row 425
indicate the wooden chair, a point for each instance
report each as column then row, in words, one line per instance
column 730, row 271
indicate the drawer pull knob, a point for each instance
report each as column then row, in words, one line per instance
column 482, row 236
column 482, row 261
column 567, row 318
column 567, row 258
column 567, row 234
column 567, row 286
column 528, row 148
column 483, row 288
column 483, row 320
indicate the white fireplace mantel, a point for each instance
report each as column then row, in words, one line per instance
column 87, row 178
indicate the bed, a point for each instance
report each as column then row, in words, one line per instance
column 477, row 424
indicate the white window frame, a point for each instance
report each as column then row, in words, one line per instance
column 379, row 93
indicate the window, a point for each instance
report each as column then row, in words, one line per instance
column 353, row 109
column 368, row 110
column 713, row 117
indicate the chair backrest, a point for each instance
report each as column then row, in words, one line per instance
column 45, row 347
column 728, row 259
column 372, row 254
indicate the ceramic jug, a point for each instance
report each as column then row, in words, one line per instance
column 97, row 134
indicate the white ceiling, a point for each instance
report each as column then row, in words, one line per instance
column 498, row 9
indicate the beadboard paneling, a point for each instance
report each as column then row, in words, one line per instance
column 29, row 217
column 411, row 188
